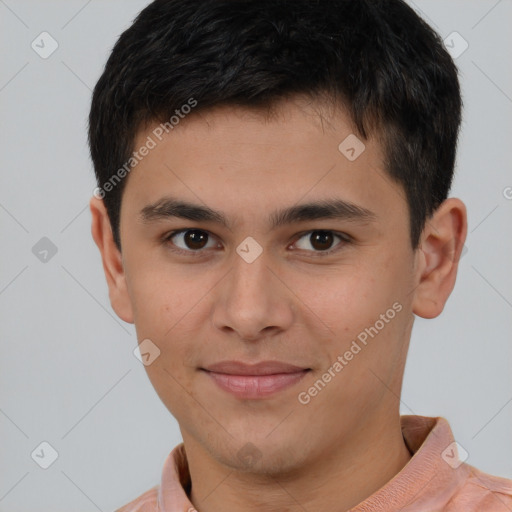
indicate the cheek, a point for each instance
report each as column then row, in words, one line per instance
column 364, row 304
column 342, row 299
column 159, row 301
column 162, row 315
column 173, row 372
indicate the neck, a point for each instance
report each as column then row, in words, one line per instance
column 338, row 479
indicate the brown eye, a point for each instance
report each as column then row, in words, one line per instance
column 195, row 239
column 189, row 240
column 320, row 241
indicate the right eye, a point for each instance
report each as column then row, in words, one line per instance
column 192, row 241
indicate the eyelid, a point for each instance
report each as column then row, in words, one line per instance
column 344, row 237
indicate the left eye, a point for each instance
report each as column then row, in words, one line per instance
column 320, row 240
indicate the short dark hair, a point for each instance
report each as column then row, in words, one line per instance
column 378, row 58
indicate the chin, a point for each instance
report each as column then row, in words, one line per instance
column 260, row 455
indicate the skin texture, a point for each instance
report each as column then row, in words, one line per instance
column 291, row 304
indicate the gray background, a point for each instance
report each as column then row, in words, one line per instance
column 68, row 373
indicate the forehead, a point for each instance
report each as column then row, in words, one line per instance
column 233, row 158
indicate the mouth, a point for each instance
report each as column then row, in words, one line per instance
column 254, row 381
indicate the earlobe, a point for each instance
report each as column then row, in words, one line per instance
column 112, row 261
column 438, row 257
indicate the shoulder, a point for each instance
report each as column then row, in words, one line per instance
column 146, row 502
column 482, row 492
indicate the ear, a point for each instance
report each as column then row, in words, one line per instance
column 438, row 256
column 112, row 261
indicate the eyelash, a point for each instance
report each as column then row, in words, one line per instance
column 345, row 239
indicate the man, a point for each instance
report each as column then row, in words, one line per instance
column 272, row 211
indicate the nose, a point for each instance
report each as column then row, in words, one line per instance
column 252, row 300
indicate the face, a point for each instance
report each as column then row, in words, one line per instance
column 329, row 290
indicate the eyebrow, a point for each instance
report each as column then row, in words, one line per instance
column 169, row 207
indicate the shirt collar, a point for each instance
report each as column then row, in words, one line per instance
column 429, row 479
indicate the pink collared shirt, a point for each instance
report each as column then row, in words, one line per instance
column 434, row 480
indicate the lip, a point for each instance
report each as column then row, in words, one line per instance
column 253, row 381
column 262, row 368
